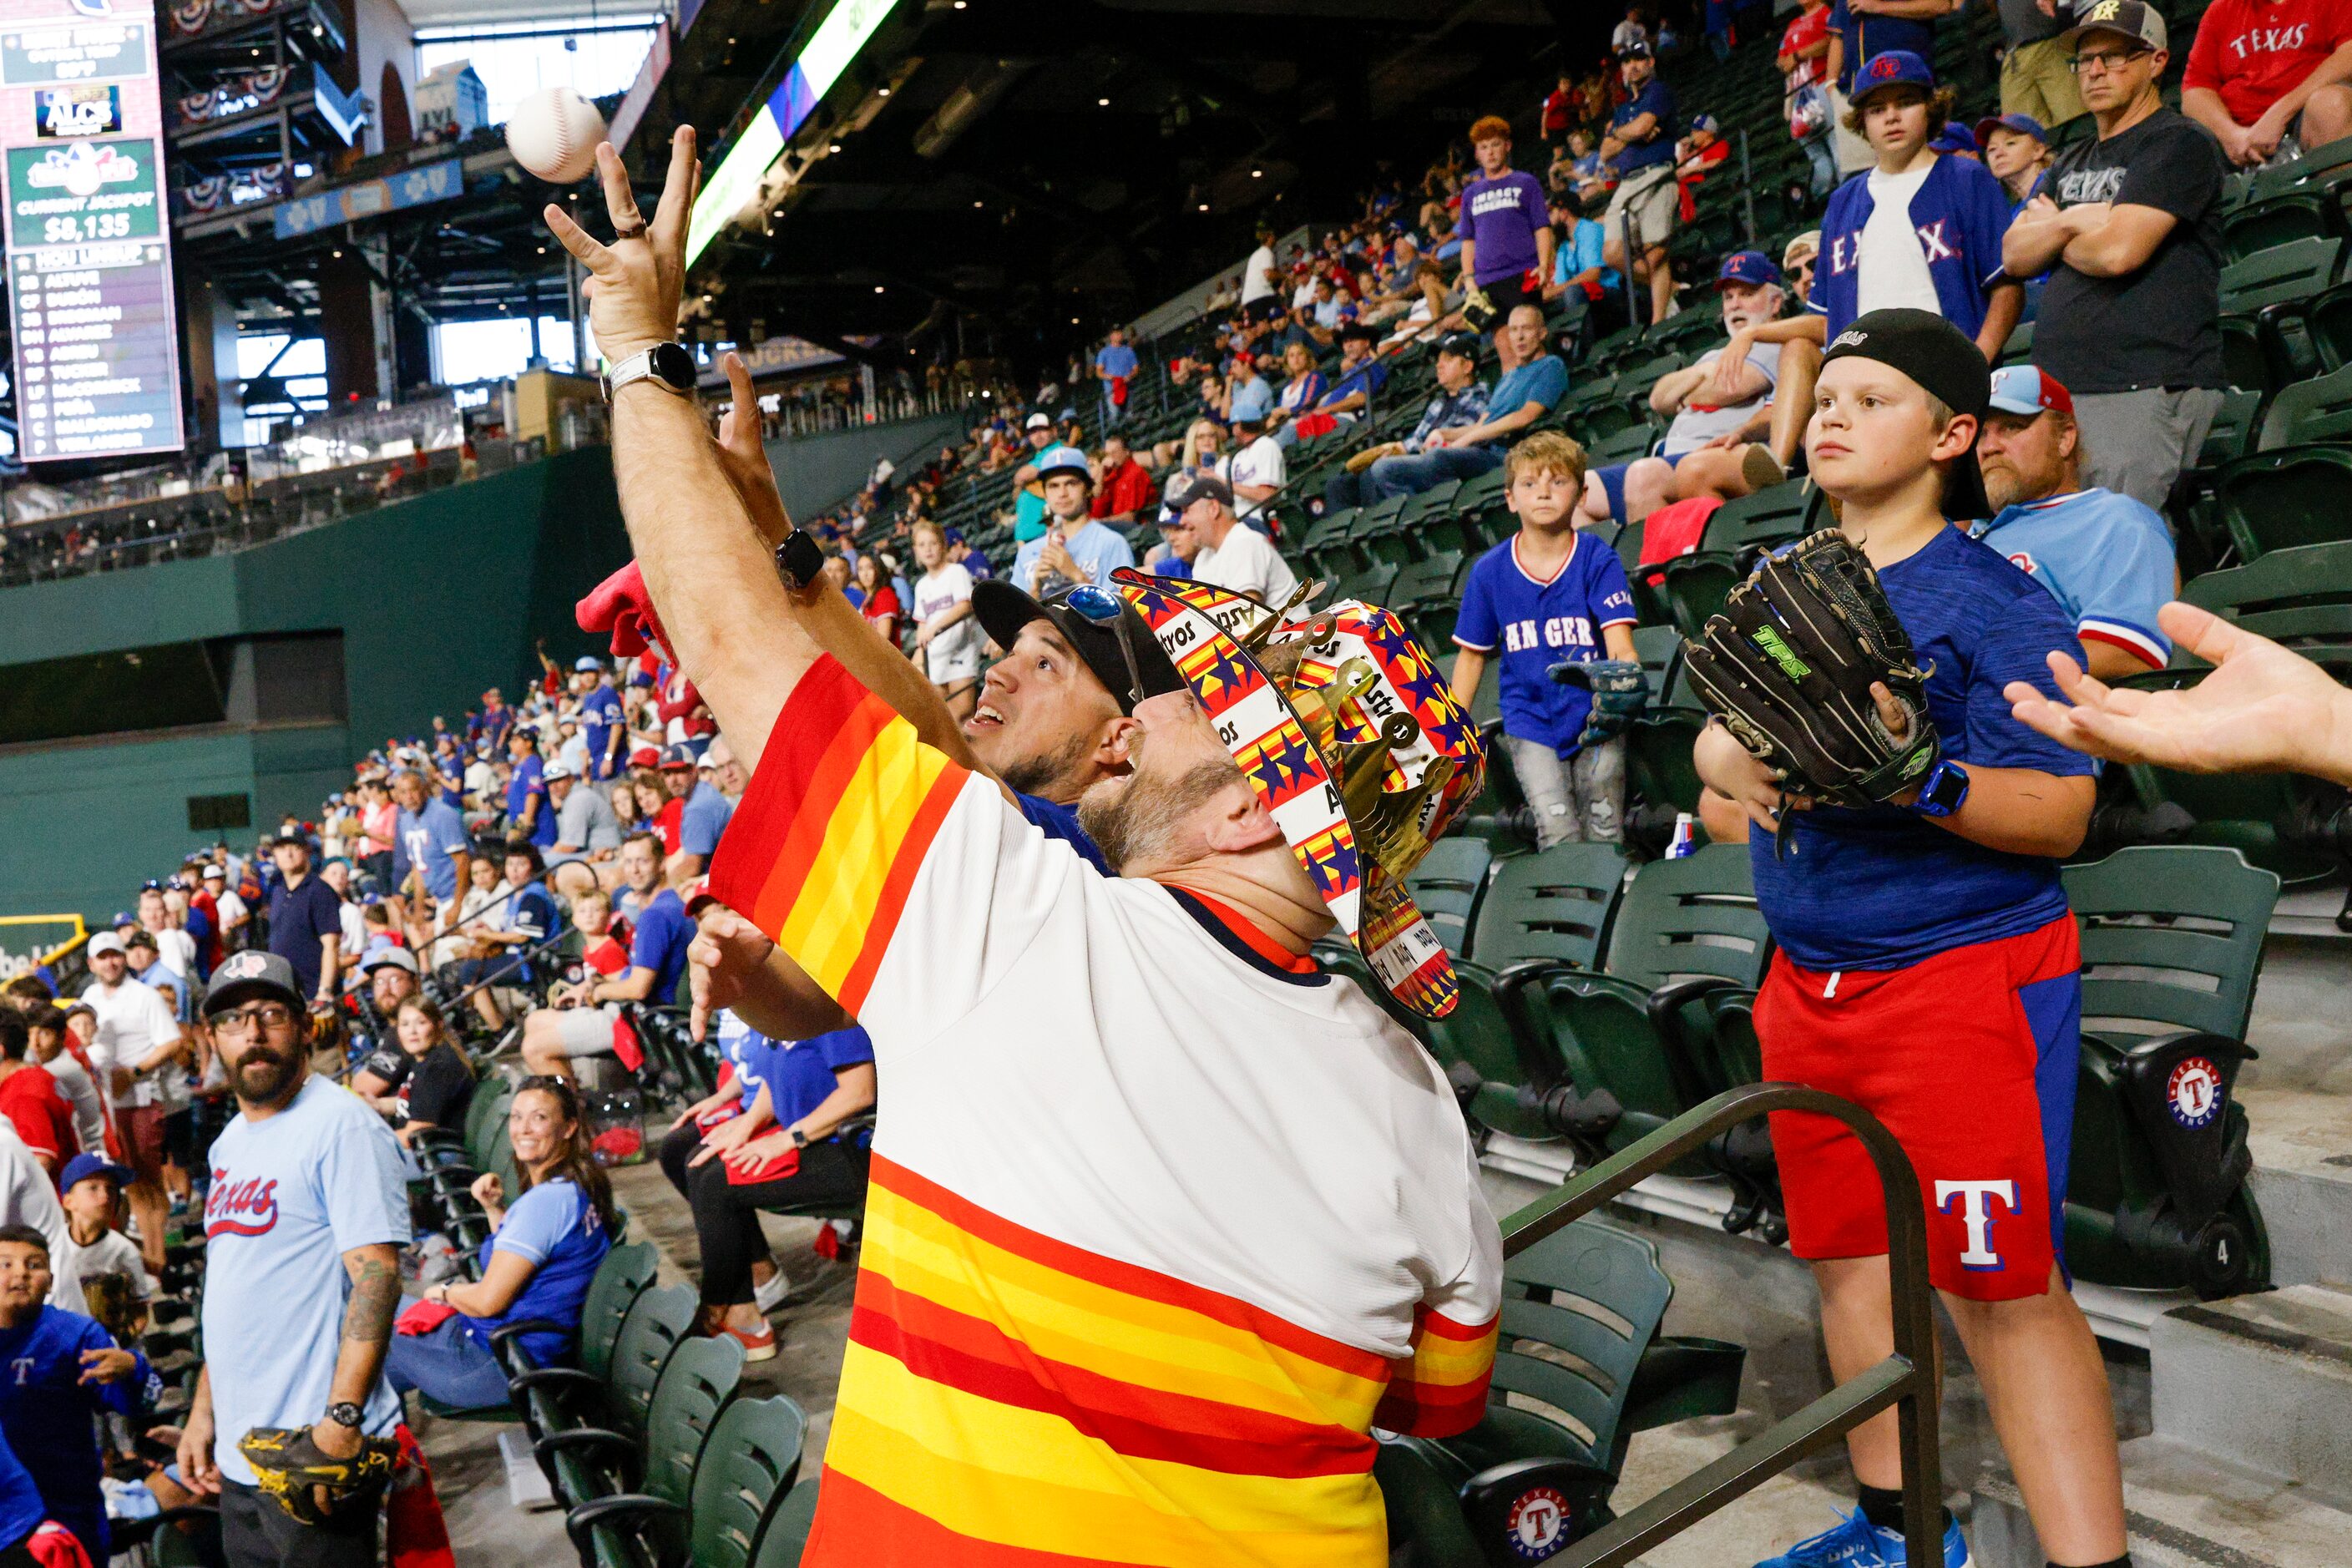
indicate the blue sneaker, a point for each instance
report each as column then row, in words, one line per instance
column 1854, row 1543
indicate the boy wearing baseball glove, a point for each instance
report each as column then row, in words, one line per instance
column 1553, row 604
column 1909, row 835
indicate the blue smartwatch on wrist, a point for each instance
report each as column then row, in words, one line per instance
column 1943, row 790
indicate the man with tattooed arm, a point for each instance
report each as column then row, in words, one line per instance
column 306, row 1218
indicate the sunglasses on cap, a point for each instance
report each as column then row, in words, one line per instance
column 1101, row 607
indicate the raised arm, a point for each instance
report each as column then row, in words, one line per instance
column 706, row 567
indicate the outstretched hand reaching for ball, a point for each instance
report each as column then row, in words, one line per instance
column 2263, row 710
column 635, row 279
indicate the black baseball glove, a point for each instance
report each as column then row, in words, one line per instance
column 1787, row 667
column 287, row 1466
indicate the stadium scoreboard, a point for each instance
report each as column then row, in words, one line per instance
column 97, row 341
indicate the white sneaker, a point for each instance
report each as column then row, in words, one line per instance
column 771, row 1296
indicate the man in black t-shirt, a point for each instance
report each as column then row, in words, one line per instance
column 2129, row 228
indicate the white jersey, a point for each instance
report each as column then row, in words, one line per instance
column 132, row 1020
column 1130, row 1148
column 953, row 653
column 1247, row 563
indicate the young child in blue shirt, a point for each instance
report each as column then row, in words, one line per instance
column 1548, row 596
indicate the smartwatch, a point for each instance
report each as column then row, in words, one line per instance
column 800, row 1138
column 1946, row 786
column 800, row 559
column 346, row 1414
column 667, row 364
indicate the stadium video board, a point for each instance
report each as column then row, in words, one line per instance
column 88, row 240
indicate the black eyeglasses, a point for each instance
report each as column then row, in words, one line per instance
column 1100, row 606
column 2104, row 59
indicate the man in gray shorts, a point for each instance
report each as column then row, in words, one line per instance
column 659, row 930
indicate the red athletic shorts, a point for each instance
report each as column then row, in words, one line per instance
column 1969, row 1058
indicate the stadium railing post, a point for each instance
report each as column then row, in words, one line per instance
column 1748, row 188
column 1905, row 1380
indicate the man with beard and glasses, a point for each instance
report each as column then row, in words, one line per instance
column 304, row 1223
column 1134, row 1285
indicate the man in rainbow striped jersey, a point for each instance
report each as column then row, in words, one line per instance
column 1163, row 1218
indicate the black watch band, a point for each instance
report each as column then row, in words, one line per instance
column 799, row 559
column 346, row 1414
column 800, row 1138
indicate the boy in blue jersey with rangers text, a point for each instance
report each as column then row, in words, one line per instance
column 1926, row 963
column 1546, row 595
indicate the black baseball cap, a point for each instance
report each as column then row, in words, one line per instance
column 1463, row 344
column 1937, row 355
column 1186, row 488
column 1003, row 610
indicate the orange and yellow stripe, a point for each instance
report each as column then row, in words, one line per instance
column 841, row 810
column 1007, row 1398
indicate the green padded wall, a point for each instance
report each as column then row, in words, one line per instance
column 436, row 598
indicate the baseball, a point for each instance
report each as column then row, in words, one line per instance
column 553, row 133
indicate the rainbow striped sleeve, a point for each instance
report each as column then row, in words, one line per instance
column 1441, row 1391
column 841, row 811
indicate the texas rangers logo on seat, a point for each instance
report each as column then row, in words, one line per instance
column 2193, row 1093
column 1538, row 1524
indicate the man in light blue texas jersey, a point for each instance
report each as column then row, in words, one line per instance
column 304, row 1222
column 2106, row 558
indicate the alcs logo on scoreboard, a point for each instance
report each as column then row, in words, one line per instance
column 65, row 112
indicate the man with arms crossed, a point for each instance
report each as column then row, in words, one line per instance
column 1090, row 1349
column 304, row 1223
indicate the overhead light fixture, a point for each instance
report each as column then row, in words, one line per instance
column 1204, row 206
column 1257, row 173
column 979, row 204
column 1102, row 104
column 834, row 147
column 882, row 92
column 877, row 287
column 1074, row 320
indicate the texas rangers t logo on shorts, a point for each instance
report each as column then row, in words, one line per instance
column 2193, row 1093
column 1538, row 1524
column 1976, row 1214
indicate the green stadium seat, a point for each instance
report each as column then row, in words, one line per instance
column 1659, row 771
column 2328, row 319
column 1326, row 550
column 1434, row 581
column 2288, row 497
column 626, row 1272
column 1371, row 584
column 1630, row 1041
column 1776, row 515
column 2018, row 348
column 1696, row 586
column 1660, row 649
column 2267, row 294
column 696, row 1388
column 691, row 1380
column 2172, row 940
column 749, row 1464
column 2301, row 200
column 787, row 1531
column 566, row 1400
column 2309, row 412
column 1579, row 1367
column 1551, row 907
column 2301, row 596
column 1449, row 885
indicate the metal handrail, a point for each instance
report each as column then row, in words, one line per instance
column 1905, row 1380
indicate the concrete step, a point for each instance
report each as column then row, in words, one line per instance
column 2265, row 1381
column 2302, row 1143
column 2182, row 1509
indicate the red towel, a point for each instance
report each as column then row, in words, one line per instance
column 625, row 1044
column 52, row 1545
column 416, row 1535
column 776, row 1169
column 423, row 1316
column 620, row 605
column 1118, row 392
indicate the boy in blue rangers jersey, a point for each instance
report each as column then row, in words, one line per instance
column 58, row 1370
column 1925, row 960
column 1546, row 595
